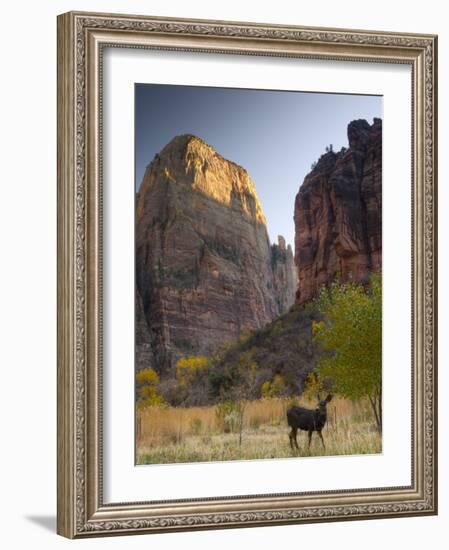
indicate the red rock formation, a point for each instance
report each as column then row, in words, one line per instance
column 204, row 265
column 338, row 213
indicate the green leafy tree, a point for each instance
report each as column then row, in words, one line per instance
column 351, row 333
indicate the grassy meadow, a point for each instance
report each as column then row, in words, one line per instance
column 201, row 434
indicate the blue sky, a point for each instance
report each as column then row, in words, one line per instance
column 274, row 135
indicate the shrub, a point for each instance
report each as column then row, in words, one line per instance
column 196, row 425
column 274, row 388
column 228, row 414
column 147, row 391
column 189, row 368
column 255, row 422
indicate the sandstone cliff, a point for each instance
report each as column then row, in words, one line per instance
column 284, row 272
column 338, row 213
column 204, row 265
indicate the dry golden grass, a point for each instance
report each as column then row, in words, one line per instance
column 166, row 435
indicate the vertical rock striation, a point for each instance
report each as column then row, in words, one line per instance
column 338, row 213
column 204, row 264
column 284, row 273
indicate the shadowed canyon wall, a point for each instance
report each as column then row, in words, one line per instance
column 338, row 213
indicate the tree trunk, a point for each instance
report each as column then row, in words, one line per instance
column 375, row 404
column 242, row 410
column 379, row 398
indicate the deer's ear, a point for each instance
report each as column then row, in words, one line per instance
column 318, row 396
column 329, row 397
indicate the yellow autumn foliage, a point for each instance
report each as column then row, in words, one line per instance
column 147, row 388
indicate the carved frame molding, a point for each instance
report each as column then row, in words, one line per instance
column 81, row 39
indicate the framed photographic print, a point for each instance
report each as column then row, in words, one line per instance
column 246, row 274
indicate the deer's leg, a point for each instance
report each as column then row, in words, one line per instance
column 292, row 436
column 321, row 437
column 310, row 437
column 296, row 438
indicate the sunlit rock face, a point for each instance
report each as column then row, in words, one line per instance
column 205, row 268
column 338, row 213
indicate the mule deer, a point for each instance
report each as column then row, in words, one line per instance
column 308, row 420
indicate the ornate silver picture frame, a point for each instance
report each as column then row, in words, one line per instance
column 83, row 510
